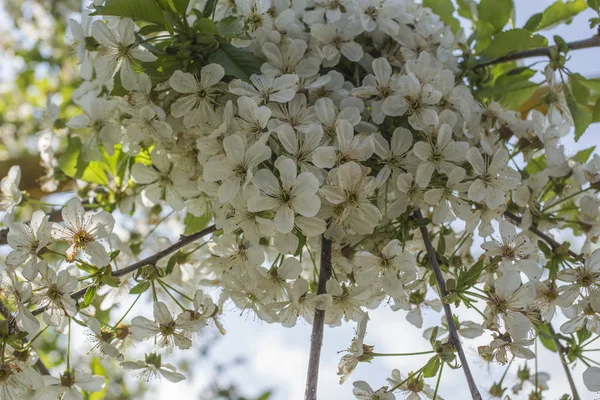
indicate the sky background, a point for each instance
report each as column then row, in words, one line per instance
column 276, row 357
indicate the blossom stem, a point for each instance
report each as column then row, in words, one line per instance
column 400, row 354
column 127, row 312
column 171, row 295
column 437, row 384
column 453, row 333
column 69, row 347
column 560, row 349
column 37, row 335
column 566, row 198
column 316, row 337
column 594, row 41
column 175, row 290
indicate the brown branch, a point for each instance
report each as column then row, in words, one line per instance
column 452, row 331
column 316, row 337
column 561, row 353
column 594, row 41
column 553, row 243
column 151, row 260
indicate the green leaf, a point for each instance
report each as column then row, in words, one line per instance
column 176, row 6
column 150, row 28
column 140, row 287
column 596, row 112
column 171, row 264
column 239, row 63
column 110, row 280
column 89, row 295
column 467, row 278
column 594, row 5
column 231, row 27
column 495, row 12
column 265, row 396
column 98, row 369
column 559, row 12
column 465, row 8
column 513, row 40
column 582, row 115
column 72, row 164
column 195, row 224
column 145, row 10
column 432, row 367
column 583, row 156
column 445, row 9
column 579, row 89
column 206, row 25
column 546, row 337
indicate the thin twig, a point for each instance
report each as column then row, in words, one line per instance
column 453, row 332
column 561, row 353
column 152, row 260
column 594, row 41
column 316, row 337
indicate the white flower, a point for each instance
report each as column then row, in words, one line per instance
column 80, row 31
column 236, row 169
column 251, row 119
column 101, row 339
column 591, row 379
column 27, row 240
column 266, row 88
column 152, row 367
column 118, row 51
column 196, row 106
column 295, row 194
column 289, row 58
column 84, row 229
column 351, row 197
column 382, row 14
column 449, row 197
column 362, row 391
column 416, row 100
column 493, row 178
column 99, row 127
column 347, row 302
column 70, row 385
column 300, row 147
column 379, row 86
column 10, row 195
column 162, row 179
column 348, row 147
column 15, row 382
column 584, row 280
column 356, row 350
column 148, row 126
column 338, row 40
column 509, row 301
column 440, row 153
column 396, row 155
column 516, row 251
column 57, row 295
column 166, row 330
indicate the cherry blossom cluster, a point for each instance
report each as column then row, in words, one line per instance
column 357, row 119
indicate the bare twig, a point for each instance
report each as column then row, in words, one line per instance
column 316, row 337
column 594, row 41
column 152, row 260
column 561, row 353
column 453, row 332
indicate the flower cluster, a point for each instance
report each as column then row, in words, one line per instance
column 355, row 122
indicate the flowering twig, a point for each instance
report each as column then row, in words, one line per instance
column 594, row 41
column 152, row 260
column 453, row 332
column 559, row 347
column 316, row 337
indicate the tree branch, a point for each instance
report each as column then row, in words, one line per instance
column 559, row 347
column 453, row 332
column 151, row 260
column 316, row 337
column 594, row 41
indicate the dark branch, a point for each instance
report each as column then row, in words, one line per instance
column 561, row 353
column 594, row 41
column 152, row 260
column 453, row 332
column 316, row 337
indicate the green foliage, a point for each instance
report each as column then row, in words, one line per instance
column 445, row 9
column 72, row 164
column 195, row 224
column 145, row 10
column 559, row 12
column 238, row 63
column 582, row 115
column 513, row 40
column 432, row 367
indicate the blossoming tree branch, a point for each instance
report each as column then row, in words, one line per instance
column 325, row 158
